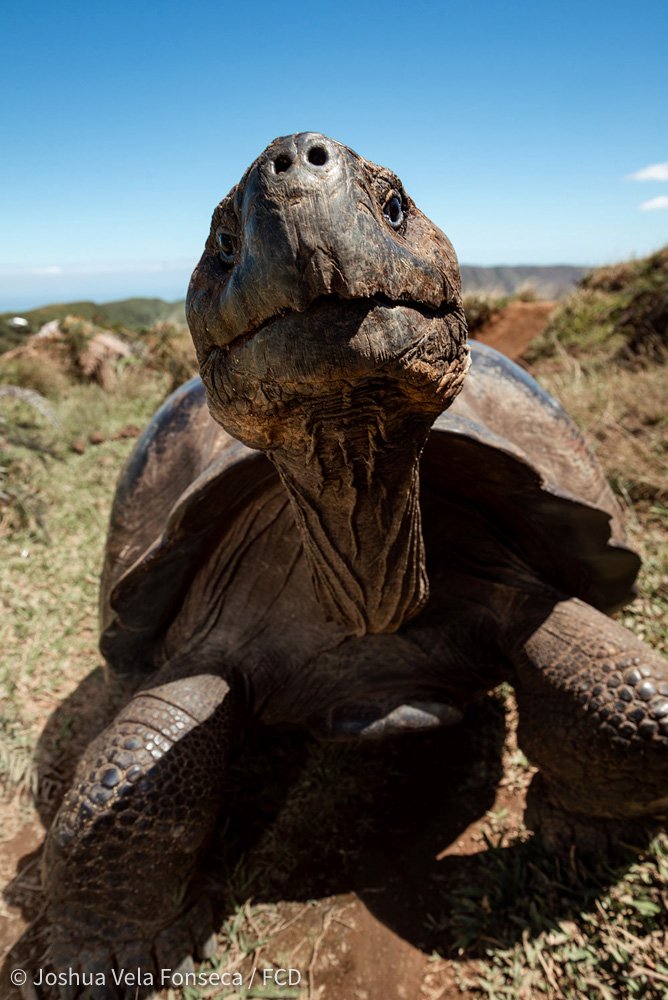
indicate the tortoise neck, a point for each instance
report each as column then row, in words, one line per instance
column 353, row 481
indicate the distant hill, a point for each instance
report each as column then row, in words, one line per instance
column 550, row 282
column 128, row 314
column 138, row 314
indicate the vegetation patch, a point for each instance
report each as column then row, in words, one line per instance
column 563, row 928
column 128, row 314
column 618, row 313
column 480, row 309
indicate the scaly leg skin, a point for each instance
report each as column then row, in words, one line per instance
column 124, row 846
column 593, row 709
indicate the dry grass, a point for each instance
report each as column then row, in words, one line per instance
column 622, row 410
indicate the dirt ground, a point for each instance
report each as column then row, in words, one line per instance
column 512, row 329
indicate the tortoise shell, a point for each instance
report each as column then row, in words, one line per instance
column 505, row 448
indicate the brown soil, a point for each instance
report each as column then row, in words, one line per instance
column 512, row 329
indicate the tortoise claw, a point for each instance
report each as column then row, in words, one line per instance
column 185, row 967
column 208, row 949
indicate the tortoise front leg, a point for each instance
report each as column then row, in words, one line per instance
column 124, row 846
column 593, row 707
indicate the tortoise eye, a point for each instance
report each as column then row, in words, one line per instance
column 227, row 246
column 393, row 211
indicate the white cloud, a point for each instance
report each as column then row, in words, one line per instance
column 105, row 267
column 654, row 204
column 655, row 172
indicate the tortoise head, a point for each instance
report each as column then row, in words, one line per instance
column 326, row 313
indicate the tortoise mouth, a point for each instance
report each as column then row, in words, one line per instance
column 325, row 303
column 358, row 356
column 377, row 346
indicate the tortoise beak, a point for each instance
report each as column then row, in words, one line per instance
column 312, row 227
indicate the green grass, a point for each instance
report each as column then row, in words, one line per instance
column 562, row 928
column 243, row 936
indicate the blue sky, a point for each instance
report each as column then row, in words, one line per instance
column 515, row 126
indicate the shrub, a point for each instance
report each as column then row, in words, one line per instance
column 480, row 309
column 618, row 312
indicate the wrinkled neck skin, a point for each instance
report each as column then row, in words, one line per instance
column 353, row 481
column 344, row 418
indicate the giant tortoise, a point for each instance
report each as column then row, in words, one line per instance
column 351, row 523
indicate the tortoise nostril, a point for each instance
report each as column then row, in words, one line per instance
column 282, row 163
column 317, row 156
